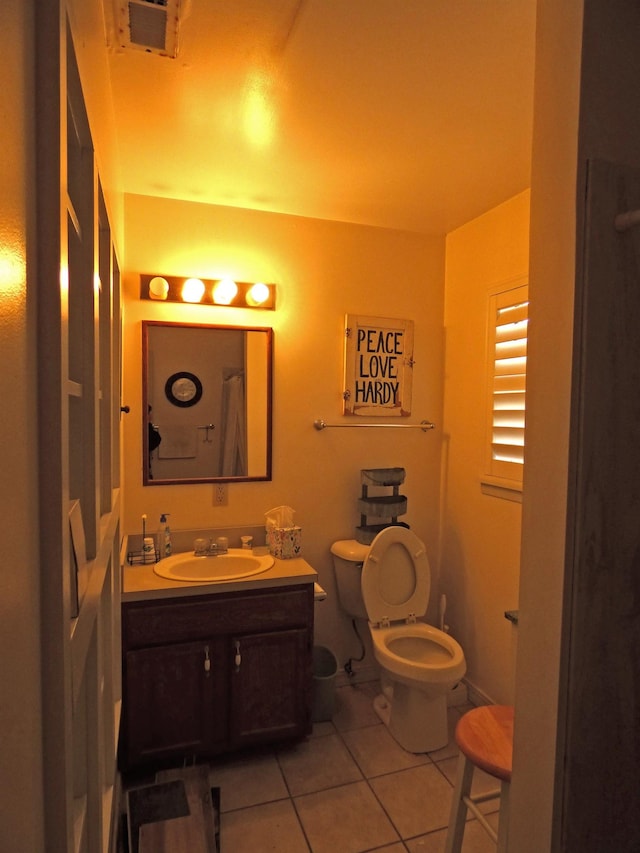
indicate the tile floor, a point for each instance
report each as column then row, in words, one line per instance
column 347, row 789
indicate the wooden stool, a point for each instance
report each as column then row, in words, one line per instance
column 485, row 739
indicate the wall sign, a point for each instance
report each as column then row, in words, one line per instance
column 378, row 366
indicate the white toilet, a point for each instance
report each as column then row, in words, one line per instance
column 388, row 583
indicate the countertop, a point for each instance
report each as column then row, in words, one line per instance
column 142, row 583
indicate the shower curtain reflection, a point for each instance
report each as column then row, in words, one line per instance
column 233, row 456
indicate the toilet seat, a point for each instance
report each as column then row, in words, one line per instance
column 396, row 578
column 420, row 653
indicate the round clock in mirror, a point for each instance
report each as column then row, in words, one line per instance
column 183, row 389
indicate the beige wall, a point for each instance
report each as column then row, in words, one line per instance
column 323, row 270
column 481, row 533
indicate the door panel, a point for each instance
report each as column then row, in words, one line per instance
column 171, row 702
column 270, row 686
column 599, row 721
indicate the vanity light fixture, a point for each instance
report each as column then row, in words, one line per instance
column 222, row 292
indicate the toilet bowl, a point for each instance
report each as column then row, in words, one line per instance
column 388, row 583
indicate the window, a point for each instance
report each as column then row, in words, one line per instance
column 506, row 391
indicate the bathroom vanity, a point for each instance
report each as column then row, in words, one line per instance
column 213, row 667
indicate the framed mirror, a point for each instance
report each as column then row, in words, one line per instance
column 207, row 402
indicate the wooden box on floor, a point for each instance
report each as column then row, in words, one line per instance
column 177, row 814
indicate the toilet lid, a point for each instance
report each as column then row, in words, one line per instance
column 396, row 577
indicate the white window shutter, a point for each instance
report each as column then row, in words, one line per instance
column 507, row 383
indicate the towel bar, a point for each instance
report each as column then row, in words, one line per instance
column 320, row 424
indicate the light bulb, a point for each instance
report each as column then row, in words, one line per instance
column 158, row 288
column 257, row 294
column 192, row 290
column 224, row 291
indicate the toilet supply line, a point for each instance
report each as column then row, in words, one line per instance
column 348, row 667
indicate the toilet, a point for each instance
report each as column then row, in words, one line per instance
column 388, row 583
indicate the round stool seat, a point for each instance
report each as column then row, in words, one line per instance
column 485, row 739
column 485, row 735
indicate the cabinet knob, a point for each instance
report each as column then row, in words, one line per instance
column 207, row 660
column 238, row 657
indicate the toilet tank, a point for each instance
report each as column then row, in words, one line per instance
column 348, row 557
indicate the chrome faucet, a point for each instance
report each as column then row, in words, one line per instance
column 202, row 548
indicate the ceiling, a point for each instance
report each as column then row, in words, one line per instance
column 405, row 114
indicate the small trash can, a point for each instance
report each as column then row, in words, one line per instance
column 325, row 669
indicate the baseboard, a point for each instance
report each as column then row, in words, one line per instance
column 476, row 696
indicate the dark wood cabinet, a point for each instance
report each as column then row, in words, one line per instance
column 213, row 673
column 174, row 698
column 269, row 695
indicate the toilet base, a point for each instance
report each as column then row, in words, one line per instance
column 418, row 722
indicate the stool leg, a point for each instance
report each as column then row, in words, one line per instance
column 503, row 824
column 458, row 813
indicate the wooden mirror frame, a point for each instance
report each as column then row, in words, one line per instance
column 184, row 364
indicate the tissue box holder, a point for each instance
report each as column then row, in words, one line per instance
column 285, row 542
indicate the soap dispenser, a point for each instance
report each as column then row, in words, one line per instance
column 164, row 536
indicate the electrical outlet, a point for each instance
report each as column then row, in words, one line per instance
column 220, row 494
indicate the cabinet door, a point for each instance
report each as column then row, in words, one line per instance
column 174, row 700
column 271, row 682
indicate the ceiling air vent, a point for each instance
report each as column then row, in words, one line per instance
column 149, row 25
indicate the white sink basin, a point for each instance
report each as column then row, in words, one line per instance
column 236, row 563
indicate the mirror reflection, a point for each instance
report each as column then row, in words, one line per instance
column 207, row 398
